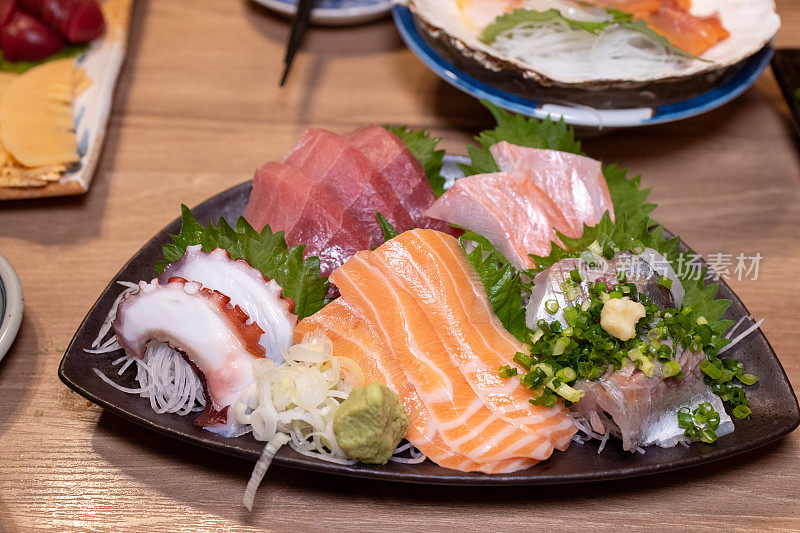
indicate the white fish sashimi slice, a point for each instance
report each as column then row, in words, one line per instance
column 262, row 299
column 515, row 215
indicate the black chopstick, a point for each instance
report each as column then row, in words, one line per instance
column 299, row 26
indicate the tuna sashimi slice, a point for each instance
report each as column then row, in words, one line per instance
column 574, row 182
column 515, row 215
column 466, row 425
column 349, row 176
column 404, row 173
column 353, row 336
column 288, row 201
column 435, row 270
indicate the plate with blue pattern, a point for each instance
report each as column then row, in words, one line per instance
column 582, row 116
column 10, row 305
column 335, row 12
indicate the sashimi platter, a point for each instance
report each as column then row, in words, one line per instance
column 371, row 306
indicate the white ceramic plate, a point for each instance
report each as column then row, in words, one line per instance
column 10, row 305
column 335, row 12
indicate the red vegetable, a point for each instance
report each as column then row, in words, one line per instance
column 79, row 21
column 24, row 38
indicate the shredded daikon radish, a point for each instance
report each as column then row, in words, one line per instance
column 741, row 336
column 577, row 55
column 165, row 378
column 261, row 467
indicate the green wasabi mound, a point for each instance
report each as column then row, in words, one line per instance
column 370, row 423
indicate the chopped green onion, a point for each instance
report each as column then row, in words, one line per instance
column 560, row 346
column 702, row 321
column 741, row 411
column 576, row 276
column 566, row 374
column 507, row 371
column 748, row 379
column 551, row 306
column 665, row 282
column 670, row 369
column 523, row 360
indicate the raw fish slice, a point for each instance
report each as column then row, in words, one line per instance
column 434, row 269
column 515, row 215
column 574, row 182
column 261, row 298
column 404, row 173
column 200, row 323
column 644, row 410
column 466, row 425
column 351, row 178
column 673, row 20
column 354, row 337
column 288, row 201
column 684, row 30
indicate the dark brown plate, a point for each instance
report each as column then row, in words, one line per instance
column 774, row 405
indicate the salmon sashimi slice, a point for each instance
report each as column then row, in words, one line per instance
column 574, row 182
column 464, row 422
column 327, row 158
column 688, row 32
column 354, row 337
column 404, row 173
column 288, row 201
column 515, row 215
column 435, row 270
column 673, row 20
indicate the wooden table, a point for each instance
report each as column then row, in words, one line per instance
column 197, row 110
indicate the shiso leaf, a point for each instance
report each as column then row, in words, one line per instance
column 503, row 283
column 617, row 18
column 267, row 251
column 389, row 231
column 423, row 146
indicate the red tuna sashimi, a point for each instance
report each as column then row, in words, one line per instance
column 574, row 182
column 515, row 215
column 309, row 214
column 404, row 173
column 327, row 158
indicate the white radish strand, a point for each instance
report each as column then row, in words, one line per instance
column 576, row 55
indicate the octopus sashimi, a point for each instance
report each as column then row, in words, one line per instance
column 515, row 215
column 287, row 200
column 261, row 298
column 404, row 173
column 353, row 336
column 574, row 182
column 434, row 269
column 350, row 177
column 217, row 338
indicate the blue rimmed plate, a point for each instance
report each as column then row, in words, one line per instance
column 581, row 116
column 10, row 305
column 335, row 12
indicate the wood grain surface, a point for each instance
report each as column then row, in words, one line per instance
column 197, row 110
